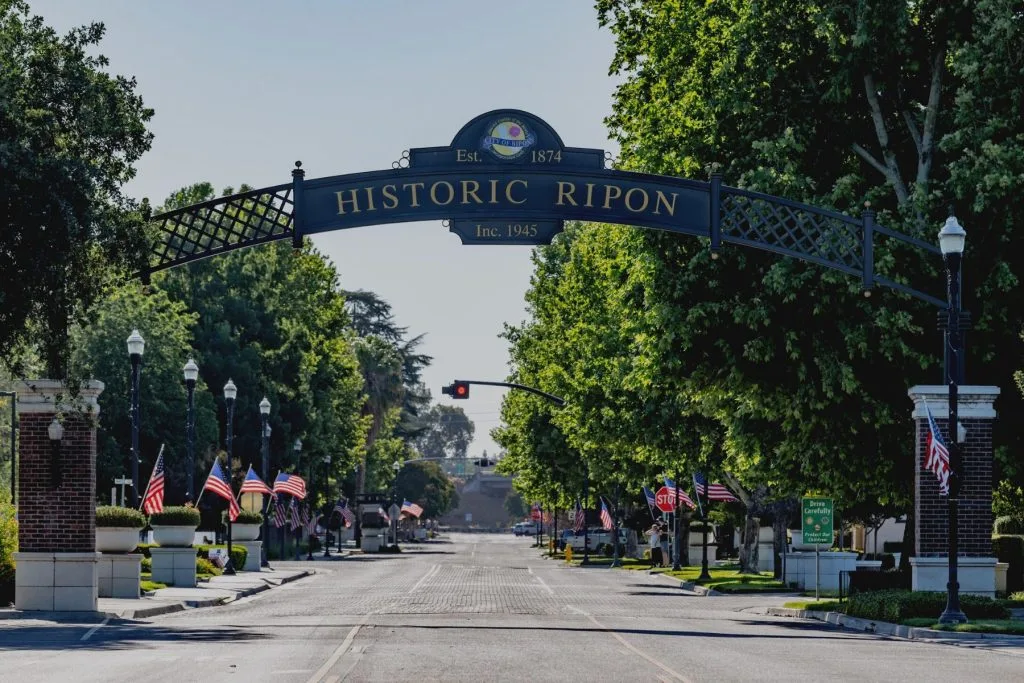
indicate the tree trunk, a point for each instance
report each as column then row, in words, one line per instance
column 779, row 538
column 748, row 552
column 908, row 541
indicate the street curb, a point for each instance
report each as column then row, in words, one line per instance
column 688, row 585
column 169, row 608
column 884, row 628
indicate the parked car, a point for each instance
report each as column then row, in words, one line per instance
column 525, row 529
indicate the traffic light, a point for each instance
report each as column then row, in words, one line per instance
column 456, row 389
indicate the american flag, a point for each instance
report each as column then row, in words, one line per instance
column 153, row 501
column 345, row 511
column 293, row 509
column 714, row 491
column 606, row 517
column 253, row 484
column 671, row 486
column 311, row 525
column 411, row 508
column 649, row 495
column 218, row 483
column 304, row 515
column 279, row 518
column 291, row 484
column 383, row 513
column 579, row 518
column 535, row 512
column 936, row 456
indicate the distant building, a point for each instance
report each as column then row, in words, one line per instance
column 482, row 497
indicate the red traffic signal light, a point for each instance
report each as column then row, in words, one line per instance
column 457, row 390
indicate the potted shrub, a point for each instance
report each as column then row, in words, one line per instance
column 175, row 527
column 117, row 529
column 247, row 526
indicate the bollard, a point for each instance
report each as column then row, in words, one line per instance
column 568, row 553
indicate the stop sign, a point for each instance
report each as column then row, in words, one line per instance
column 663, row 499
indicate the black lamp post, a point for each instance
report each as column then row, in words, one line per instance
column 586, row 504
column 230, row 392
column 396, row 466
column 265, row 471
column 327, row 488
column 312, row 500
column 136, row 346
column 951, row 241
column 676, row 541
column 191, row 371
column 297, row 446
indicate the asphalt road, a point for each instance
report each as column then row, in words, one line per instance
column 478, row 608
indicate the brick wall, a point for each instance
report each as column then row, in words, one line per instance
column 59, row 519
column 932, row 510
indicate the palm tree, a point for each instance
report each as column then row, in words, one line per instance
column 381, row 366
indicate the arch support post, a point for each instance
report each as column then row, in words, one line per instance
column 57, row 558
column 976, row 564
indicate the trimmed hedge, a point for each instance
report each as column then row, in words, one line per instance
column 1011, row 549
column 892, row 546
column 1009, row 525
column 238, row 553
column 205, row 566
column 113, row 516
column 8, row 546
column 896, row 605
column 180, row 515
column 143, row 549
column 246, row 517
column 888, row 560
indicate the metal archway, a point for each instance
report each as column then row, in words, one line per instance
column 507, row 178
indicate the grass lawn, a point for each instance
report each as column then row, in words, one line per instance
column 1007, row 626
column 728, row 579
column 820, row 606
column 151, row 585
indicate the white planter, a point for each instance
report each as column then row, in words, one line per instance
column 116, row 539
column 245, row 532
column 174, row 536
column 766, row 534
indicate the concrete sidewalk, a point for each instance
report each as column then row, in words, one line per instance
column 219, row 590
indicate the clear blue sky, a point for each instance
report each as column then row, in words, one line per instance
column 243, row 89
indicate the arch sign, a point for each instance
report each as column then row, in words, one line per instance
column 508, row 179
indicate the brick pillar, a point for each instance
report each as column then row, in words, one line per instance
column 57, row 525
column 976, row 414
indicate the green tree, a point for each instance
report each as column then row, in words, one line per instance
column 70, row 134
column 447, row 434
column 100, row 352
column 381, row 367
column 426, row 484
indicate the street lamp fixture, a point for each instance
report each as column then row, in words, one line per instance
column 191, row 372
column 396, row 466
column 136, row 347
column 230, row 393
column 297, row 447
column 265, row 448
column 56, row 433
column 951, row 241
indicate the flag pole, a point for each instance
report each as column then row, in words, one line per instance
column 150, row 483
column 204, row 483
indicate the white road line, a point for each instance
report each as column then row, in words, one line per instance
column 430, row 572
column 97, row 627
column 288, row 671
column 678, row 676
column 546, row 587
column 340, row 650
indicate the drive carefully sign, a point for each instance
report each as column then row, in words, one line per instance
column 817, row 520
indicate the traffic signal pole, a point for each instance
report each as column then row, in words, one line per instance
column 460, row 389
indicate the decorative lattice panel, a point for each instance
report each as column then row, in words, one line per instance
column 221, row 225
column 798, row 231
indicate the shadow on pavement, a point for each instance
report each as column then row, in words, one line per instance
column 667, row 594
column 116, row 635
column 819, row 631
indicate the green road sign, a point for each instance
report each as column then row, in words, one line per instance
column 817, row 520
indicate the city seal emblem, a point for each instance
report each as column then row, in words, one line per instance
column 508, row 139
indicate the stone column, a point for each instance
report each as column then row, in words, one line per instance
column 56, row 558
column 931, row 535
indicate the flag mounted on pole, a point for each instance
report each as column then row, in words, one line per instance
column 579, row 519
column 671, row 486
column 411, row 508
column 219, row 484
column 279, row 518
column 714, row 491
column 606, row 517
column 253, row 484
column 383, row 513
column 291, row 484
column 535, row 512
column 649, row 495
column 153, row 501
column 293, row 510
column 936, row 455
column 346, row 512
